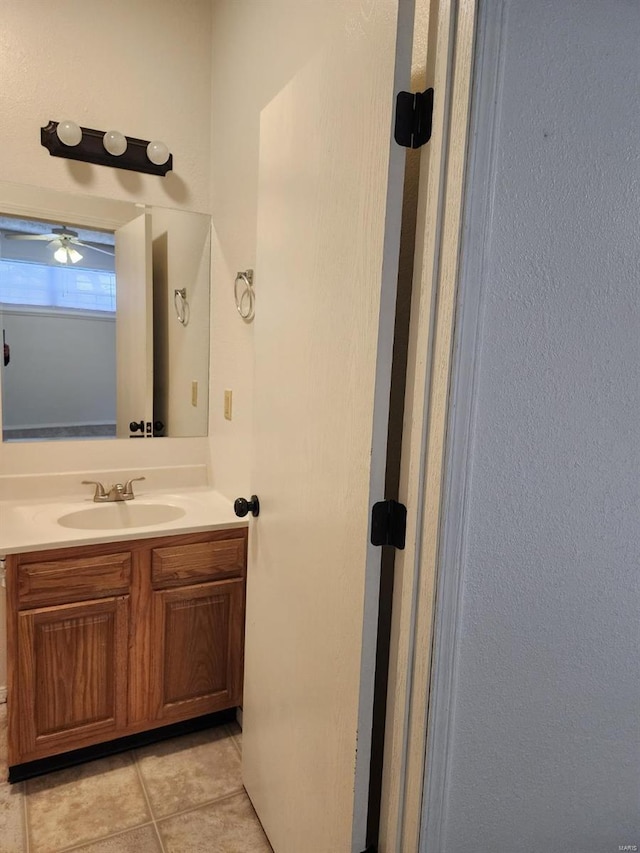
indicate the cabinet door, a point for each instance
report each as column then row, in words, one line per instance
column 72, row 675
column 198, row 649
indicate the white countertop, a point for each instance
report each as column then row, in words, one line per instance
column 32, row 525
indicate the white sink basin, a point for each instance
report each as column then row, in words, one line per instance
column 120, row 515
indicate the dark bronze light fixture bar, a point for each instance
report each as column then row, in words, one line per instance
column 91, row 147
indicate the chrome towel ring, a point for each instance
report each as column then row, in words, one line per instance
column 244, row 295
column 181, row 305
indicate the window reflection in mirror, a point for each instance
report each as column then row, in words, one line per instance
column 96, row 341
column 58, row 301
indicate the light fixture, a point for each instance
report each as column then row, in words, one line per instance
column 157, row 152
column 63, row 254
column 110, row 148
column 115, row 142
column 69, row 133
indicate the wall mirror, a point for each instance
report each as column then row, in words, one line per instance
column 104, row 308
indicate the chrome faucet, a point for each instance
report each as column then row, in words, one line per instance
column 118, row 492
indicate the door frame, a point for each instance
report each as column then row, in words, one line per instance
column 449, row 61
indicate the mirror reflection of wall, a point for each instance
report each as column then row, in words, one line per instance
column 181, row 261
column 94, row 341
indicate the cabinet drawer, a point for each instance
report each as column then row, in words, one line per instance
column 201, row 561
column 76, row 579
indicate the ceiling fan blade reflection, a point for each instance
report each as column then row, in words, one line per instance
column 93, row 248
column 15, row 236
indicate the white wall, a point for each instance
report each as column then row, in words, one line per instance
column 142, row 68
column 62, row 370
column 256, row 48
column 544, row 728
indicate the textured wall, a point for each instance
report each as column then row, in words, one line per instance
column 545, row 726
column 142, row 68
column 257, row 47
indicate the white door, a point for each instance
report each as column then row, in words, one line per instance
column 329, row 205
column 134, row 325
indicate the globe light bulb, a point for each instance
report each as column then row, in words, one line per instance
column 69, row 133
column 157, row 152
column 115, row 142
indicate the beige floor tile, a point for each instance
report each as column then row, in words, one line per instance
column 235, row 729
column 11, row 799
column 84, row 803
column 236, row 733
column 11, row 817
column 141, row 840
column 228, row 826
column 184, row 772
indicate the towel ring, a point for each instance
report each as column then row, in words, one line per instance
column 244, row 295
column 181, row 305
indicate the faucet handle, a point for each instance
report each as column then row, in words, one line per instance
column 100, row 492
column 128, row 488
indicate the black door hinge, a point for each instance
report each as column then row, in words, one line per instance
column 389, row 524
column 414, row 116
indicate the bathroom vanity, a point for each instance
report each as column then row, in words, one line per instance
column 115, row 638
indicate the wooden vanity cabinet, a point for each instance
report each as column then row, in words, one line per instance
column 197, row 632
column 111, row 640
column 197, row 627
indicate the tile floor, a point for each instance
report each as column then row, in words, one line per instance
column 183, row 795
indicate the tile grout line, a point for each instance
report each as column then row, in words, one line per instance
column 25, row 818
column 27, row 842
column 234, row 739
column 82, row 844
column 157, row 819
column 148, row 801
column 204, row 804
column 153, row 819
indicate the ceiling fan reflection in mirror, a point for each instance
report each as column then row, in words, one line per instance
column 65, row 243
